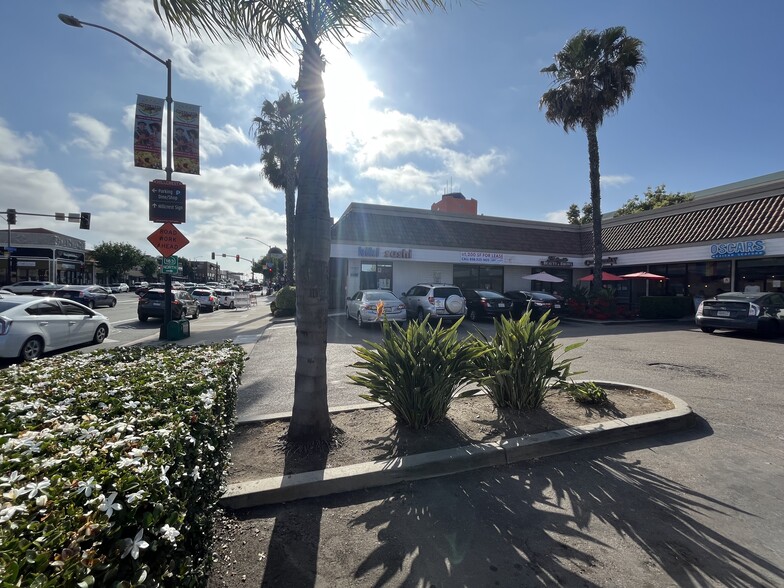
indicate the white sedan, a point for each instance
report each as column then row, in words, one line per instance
column 374, row 306
column 119, row 288
column 31, row 326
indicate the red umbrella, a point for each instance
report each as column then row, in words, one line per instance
column 606, row 277
column 645, row 276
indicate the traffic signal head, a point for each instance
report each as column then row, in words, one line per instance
column 11, row 216
column 237, row 257
column 84, row 220
column 213, row 255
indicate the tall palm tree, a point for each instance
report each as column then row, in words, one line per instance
column 592, row 76
column 272, row 27
column 277, row 135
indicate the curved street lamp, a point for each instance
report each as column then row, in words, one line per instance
column 72, row 21
column 274, row 252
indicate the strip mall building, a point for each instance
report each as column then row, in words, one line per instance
column 729, row 238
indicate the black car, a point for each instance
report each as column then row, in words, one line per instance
column 152, row 302
column 90, row 296
column 760, row 312
column 537, row 302
column 486, row 304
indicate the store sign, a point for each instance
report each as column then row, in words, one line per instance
column 387, row 253
column 737, row 249
column 605, row 262
column 481, row 257
column 555, row 261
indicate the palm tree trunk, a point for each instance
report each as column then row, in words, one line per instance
column 596, row 205
column 291, row 188
column 310, row 420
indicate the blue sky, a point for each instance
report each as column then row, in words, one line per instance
column 444, row 102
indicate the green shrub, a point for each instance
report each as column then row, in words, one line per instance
column 285, row 302
column 519, row 366
column 585, row 392
column 112, row 464
column 666, row 307
column 414, row 372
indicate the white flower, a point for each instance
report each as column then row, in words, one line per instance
column 195, row 474
column 108, row 506
column 88, row 487
column 164, row 478
column 12, row 479
column 33, row 488
column 9, row 511
column 133, row 497
column 127, row 462
column 169, row 533
column 41, row 500
column 133, row 546
column 208, row 399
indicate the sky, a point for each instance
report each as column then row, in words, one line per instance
column 445, row 102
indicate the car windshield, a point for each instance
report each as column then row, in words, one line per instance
column 151, row 295
column 5, row 305
column 740, row 295
column 224, row 292
column 489, row 294
column 201, row 293
column 380, row 296
column 446, row 292
column 545, row 297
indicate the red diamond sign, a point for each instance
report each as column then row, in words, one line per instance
column 167, row 239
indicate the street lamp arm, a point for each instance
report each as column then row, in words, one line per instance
column 75, row 22
column 259, row 240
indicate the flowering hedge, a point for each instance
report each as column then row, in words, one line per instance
column 111, row 464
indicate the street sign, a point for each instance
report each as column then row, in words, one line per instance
column 167, row 201
column 167, row 239
column 170, row 265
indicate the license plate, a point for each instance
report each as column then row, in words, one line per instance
column 501, row 305
column 723, row 313
column 556, row 306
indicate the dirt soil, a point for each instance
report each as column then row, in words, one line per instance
column 372, row 435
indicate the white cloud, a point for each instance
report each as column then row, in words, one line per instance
column 406, row 179
column 14, row 147
column 94, row 136
column 558, row 216
column 612, row 181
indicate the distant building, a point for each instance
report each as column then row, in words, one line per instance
column 41, row 254
column 455, row 203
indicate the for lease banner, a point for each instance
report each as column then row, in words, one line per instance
column 147, row 132
column 186, row 138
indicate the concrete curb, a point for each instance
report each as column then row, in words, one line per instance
column 461, row 459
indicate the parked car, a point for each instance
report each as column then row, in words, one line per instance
column 31, row 326
column 226, row 297
column 364, row 306
column 90, row 296
column 438, row 301
column 486, row 304
column 137, row 285
column 47, row 290
column 26, row 287
column 152, row 303
column 206, row 298
column 760, row 312
column 538, row 302
column 120, row 287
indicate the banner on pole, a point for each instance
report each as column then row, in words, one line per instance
column 147, row 132
column 186, row 138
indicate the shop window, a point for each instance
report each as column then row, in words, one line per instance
column 375, row 275
column 483, row 277
column 765, row 274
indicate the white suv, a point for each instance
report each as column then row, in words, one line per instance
column 437, row 301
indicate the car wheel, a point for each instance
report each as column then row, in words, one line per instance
column 421, row 315
column 472, row 316
column 100, row 334
column 707, row 329
column 231, row 304
column 348, row 314
column 196, row 313
column 33, row 348
column 91, row 304
column 113, row 303
column 360, row 322
column 143, row 318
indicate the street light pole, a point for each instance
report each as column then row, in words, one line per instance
column 72, row 21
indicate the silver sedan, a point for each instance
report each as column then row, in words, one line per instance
column 31, row 325
column 374, row 306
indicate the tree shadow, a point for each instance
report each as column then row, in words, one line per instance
column 401, row 440
column 536, row 524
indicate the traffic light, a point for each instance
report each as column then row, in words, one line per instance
column 84, row 220
column 237, row 257
column 213, row 255
column 11, row 216
column 14, row 264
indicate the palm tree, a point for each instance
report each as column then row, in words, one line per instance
column 592, row 76
column 277, row 135
column 272, row 27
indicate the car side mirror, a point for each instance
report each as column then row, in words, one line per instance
column 348, row 297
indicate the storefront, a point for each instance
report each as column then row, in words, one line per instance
column 729, row 238
column 40, row 254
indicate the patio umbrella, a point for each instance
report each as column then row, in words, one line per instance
column 543, row 277
column 644, row 276
column 606, row 277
